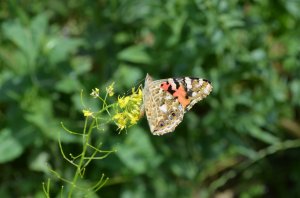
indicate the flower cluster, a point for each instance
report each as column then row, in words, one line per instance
column 95, row 93
column 110, row 89
column 128, row 109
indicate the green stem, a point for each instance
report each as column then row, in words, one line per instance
column 86, row 138
column 106, row 109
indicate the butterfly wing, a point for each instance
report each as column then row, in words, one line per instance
column 162, row 110
column 166, row 100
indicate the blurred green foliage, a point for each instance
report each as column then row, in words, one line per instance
column 242, row 141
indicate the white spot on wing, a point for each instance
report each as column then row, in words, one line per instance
column 207, row 90
column 163, row 108
column 200, row 83
column 171, row 81
column 169, row 97
column 188, row 82
column 180, row 107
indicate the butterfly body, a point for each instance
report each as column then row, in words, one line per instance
column 165, row 101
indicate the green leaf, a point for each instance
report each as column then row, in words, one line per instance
column 38, row 28
column 262, row 135
column 15, row 61
column 40, row 162
column 59, row 48
column 135, row 54
column 68, row 85
column 295, row 89
column 41, row 117
column 10, row 148
column 81, row 64
column 27, row 39
column 19, row 35
column 121, row 75
column 137, row 152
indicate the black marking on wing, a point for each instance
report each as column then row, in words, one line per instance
column 170, row 90
column 176, row 83
column 188, row 92
column 207, row 81
column 194, row 78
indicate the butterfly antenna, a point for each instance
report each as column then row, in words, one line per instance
column 137, row 84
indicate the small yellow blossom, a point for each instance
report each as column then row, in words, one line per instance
column 87, row 113
column 95, row 93
column 138, row 95
column 123, row 101
column 128, row 112
column 121, row 120
column 133, row 118
column 110, row 89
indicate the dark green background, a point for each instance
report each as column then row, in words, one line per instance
column 235, row 143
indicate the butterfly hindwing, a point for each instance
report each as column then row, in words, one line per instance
column 166, row 100
column 158, row 105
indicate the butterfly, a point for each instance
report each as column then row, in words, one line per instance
column 165, row 101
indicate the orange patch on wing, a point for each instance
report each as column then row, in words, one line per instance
column 181, row 95
column 165, row 86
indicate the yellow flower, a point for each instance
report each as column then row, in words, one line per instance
column 123, row 101
column 128, row 112
column 120, row 120
column 133, row 118
column 110, row 89
column 87, row 113
column 95, row 93
column 137, row 95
